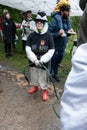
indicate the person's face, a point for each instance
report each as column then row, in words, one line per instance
column 29, row 15
column 39, row 25
column 8, row 16
column 66, row 14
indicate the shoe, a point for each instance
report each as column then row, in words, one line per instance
column 44, row 95
column 33, row 90
column 57, row 78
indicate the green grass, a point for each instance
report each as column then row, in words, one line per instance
column 17, row 61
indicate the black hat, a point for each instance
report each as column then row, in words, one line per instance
column 41, row 16
column 28, row 11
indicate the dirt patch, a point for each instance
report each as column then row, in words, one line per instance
column 21, row 111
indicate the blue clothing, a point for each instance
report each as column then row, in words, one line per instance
column 55, row 61
column 60, row 41
column 54, row 26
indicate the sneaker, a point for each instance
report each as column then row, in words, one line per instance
column 44, row 95
column 33, row 90
column 57, row 78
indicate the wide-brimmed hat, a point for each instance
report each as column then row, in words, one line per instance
column 41, row 16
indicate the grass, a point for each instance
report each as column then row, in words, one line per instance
column 19, row 60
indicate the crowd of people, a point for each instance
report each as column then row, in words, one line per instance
column 8, row 30
column 58, row 29
column 45, row 44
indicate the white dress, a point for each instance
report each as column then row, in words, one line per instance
column 74, row 99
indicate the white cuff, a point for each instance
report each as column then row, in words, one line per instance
column 46, row 57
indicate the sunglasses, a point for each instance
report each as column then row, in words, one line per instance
column 39, row 21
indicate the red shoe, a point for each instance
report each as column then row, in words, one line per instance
column 33, row 90
column 44, row 95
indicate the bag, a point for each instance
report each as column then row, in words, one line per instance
column 26, row 30
column 52, row 26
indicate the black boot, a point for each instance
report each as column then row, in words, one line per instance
column 57, row 78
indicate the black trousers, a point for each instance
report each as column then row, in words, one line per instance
column 13, row 45
column 7, row 47
column 23, row 44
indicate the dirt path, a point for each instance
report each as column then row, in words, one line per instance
column 21, row 111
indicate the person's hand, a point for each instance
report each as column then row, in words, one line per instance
column 61, row 31
column 37, row 62
column 71, row 32
column 27, row 24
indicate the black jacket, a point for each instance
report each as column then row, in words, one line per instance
column 40, row 44
column 9, row 30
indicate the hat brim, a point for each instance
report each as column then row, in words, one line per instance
column 37, row 20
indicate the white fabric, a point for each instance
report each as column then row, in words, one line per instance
column 30, row 28
column 46, row 57
column 37, row 62
column 38, row 77
column 24, row 36
column 41, row 5
column 74, row 50
column 31, row 56
column 74, row 99
column 42, row 18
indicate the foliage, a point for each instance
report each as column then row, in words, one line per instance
column 15, row 14
column 75, row 23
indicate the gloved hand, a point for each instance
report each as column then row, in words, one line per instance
column 37, row 62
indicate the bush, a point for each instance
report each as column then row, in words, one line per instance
column 75, row 23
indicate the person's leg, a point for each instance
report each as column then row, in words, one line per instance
column 33, row 78
column 53, row 60
column 58, row 60
column 43, row 83
column 23, row 45
column 9, row 49
column 13, row 45
column 6, row 48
